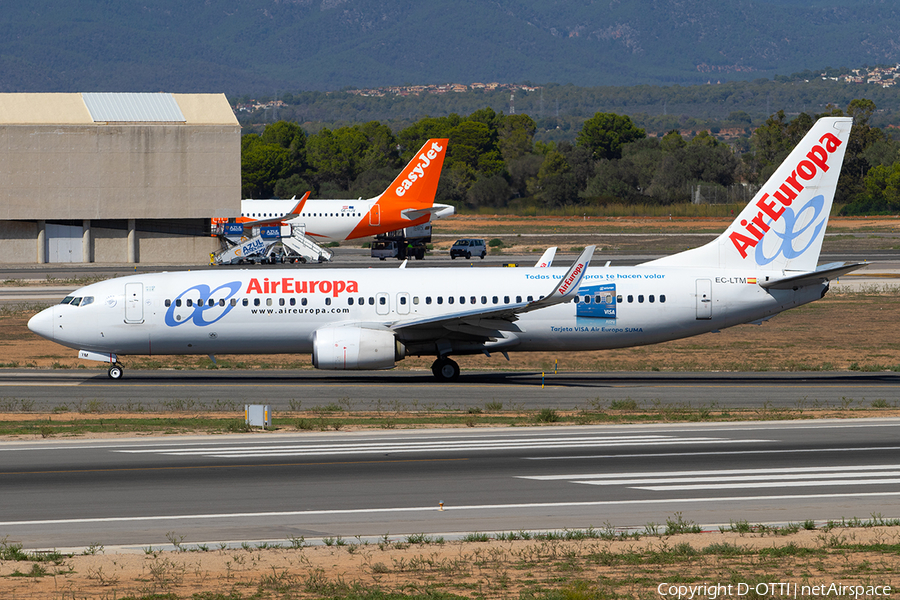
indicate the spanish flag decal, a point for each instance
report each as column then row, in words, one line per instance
column 751, row 280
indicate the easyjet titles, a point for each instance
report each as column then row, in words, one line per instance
column 806, row 170
column 289, row 285
column 419, row 170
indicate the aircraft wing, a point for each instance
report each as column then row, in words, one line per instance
column 822, row 274
column 488, row 322
column 298, row 208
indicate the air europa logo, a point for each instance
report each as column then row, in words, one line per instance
column 204, row 309
column 419, row 170
column 289, row 285
column 755, row 229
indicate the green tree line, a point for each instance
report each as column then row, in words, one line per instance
column 493, row 161
column 560, row 110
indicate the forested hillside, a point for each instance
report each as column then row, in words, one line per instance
column 559, row 110
column 494, row 162
column 266, row 46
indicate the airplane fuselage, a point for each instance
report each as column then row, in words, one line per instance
column 278, row 311
column 339, row 220
column 325, row 220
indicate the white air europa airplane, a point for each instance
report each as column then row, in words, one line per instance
column 764, row 263
column 407, row 202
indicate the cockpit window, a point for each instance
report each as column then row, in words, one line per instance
column 66, row 300
column 75, row 301
column 87, row 300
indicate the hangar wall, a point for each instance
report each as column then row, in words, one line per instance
column 59, row 163
column 21, row 243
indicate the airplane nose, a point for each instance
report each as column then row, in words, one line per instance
column 42, row 323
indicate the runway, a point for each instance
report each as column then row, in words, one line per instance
column 273, row 487
column 45, row 390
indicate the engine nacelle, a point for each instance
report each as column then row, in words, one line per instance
column 355, row 348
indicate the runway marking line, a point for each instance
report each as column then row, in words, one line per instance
column 736, row 473
column 315, row 464
column 444, row 510
column 721, row 453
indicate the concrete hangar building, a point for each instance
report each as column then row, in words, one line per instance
column 115, row 178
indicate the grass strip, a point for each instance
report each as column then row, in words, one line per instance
column 71, row 424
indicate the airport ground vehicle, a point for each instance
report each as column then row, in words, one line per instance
column 468, row 247
column 406, row 243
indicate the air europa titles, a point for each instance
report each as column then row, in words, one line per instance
column 806, row 170
column 419, row 170
column 288, row 285
column 571, row 279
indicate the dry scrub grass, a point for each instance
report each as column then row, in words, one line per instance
column 587, row 568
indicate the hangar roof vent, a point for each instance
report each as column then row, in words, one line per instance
column 112, row 107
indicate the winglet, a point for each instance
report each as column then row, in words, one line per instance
column 294, row 212
column 572, row 279
column 568, row 285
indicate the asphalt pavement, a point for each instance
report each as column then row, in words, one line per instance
column 228, row 489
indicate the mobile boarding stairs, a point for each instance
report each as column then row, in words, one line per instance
column 287, row 243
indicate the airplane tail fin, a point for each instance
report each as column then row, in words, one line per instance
column 782, row 228
column 416, row 185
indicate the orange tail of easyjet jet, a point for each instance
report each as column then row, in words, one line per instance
column 409, row 200
column 416, row 185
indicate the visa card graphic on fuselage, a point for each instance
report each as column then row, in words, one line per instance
column 597, row 301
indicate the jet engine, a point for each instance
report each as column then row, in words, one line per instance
column 340, row 348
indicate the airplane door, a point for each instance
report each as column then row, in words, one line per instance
column 704, row 299
column 375, row 215
column 134, row 302
column 382, row 303
column 403, row 303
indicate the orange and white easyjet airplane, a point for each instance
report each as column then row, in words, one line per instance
column 407, row 202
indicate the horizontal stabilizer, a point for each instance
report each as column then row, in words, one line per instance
column 436, row 211
column 820, row 275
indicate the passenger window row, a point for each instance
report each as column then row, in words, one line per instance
column 382, row 300
column 471, row 299
column 651, row 298
column 340, row 214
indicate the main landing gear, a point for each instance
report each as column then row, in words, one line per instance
column 445, row 369
column 116, row 371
